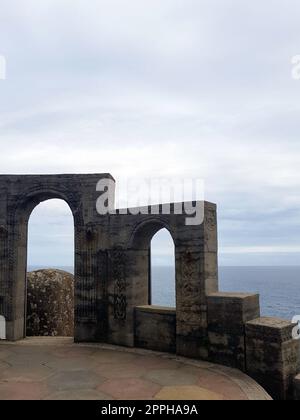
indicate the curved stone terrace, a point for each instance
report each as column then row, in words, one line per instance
column 58, row 369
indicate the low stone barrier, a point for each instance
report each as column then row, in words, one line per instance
column 155, row 328
column 272, row 355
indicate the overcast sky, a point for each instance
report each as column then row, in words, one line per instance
column 166, row 87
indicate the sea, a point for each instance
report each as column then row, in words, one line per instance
column 279, row 287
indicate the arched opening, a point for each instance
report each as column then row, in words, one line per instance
column 50, row 270
column 162, row 277
column 154, row 286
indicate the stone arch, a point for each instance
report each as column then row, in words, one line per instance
column 19, row 218
column 143, row 232
column 20, row 195
column 140, row 242
column 154, row 326
column 26, row 203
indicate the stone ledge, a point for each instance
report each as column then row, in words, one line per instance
column 274, row 328
column 228, row 311
column 156, row 309
column 231, row 295
column 270, row 322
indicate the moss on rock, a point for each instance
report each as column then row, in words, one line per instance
column 50, row 303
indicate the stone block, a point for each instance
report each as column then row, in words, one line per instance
column 272, row 355
column 227, row 316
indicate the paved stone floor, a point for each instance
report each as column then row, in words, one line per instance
column 57, row 369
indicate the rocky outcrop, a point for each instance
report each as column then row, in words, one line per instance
column 50, row 303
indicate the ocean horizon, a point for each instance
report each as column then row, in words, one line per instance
column 278, row 287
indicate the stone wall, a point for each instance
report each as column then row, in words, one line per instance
column 50, row 303
column 155, row 328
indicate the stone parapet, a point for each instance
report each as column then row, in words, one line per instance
column 155, row 328
column 272, row 355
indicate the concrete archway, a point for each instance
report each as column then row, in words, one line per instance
column 140, row 242
column 110, row 255
column 21, row 194
column 19, row 220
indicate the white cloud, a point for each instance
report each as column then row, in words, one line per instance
column 179, row 88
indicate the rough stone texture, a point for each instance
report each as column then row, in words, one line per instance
column 50, row 303
column 227, row 316
column 112, row 261
column 196, row 275
column 155, row 328
column 297, row 388
column 272, row 355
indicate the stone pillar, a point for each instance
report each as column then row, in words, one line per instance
column 272, row 355
column 196, row 276
column 227, row 316
column 127, row 288
column 90, row 316
column 16, row 279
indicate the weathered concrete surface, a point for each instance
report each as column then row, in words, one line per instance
column 155, row 328
column 19, row 195
column 297, row 388
column 227, row 316
column 272, row 355
column 196, row 274
column 56, row 369
column 111, row 261
column 50, row 303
